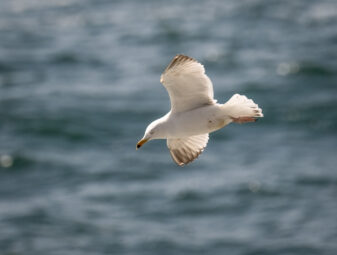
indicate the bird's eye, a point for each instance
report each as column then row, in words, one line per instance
column 151, row 132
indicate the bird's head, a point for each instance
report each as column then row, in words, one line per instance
column 153, row 131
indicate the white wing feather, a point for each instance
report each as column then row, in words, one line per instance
column 185, row 150
column 187, row 84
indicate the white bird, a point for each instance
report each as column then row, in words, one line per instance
column 194, row 112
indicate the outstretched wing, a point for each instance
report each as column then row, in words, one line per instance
column 187, row 84
column 185, row 150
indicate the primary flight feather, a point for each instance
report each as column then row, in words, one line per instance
column 194, row 112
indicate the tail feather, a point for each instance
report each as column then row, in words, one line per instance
column 239, row 106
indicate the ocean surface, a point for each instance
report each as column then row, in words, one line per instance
column 79, row 83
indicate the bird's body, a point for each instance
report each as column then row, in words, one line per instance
column 194, row 122
column 194, row 113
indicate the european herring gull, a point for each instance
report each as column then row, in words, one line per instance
column 194, row 112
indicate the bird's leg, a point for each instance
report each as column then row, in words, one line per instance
column 241, row 120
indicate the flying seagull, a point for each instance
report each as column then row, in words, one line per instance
column 194, row 112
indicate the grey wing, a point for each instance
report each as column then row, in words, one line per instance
column 187, row 84
column 185, row 150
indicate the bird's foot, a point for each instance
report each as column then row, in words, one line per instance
column 241, row 120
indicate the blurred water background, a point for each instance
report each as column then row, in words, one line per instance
column 79, row 82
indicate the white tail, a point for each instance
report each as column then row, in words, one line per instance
column 239, row 106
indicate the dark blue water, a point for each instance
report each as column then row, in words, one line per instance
column 79, row 82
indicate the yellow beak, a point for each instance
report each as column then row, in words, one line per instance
column 140, row 143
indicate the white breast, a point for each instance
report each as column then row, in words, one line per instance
column 199, row 121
